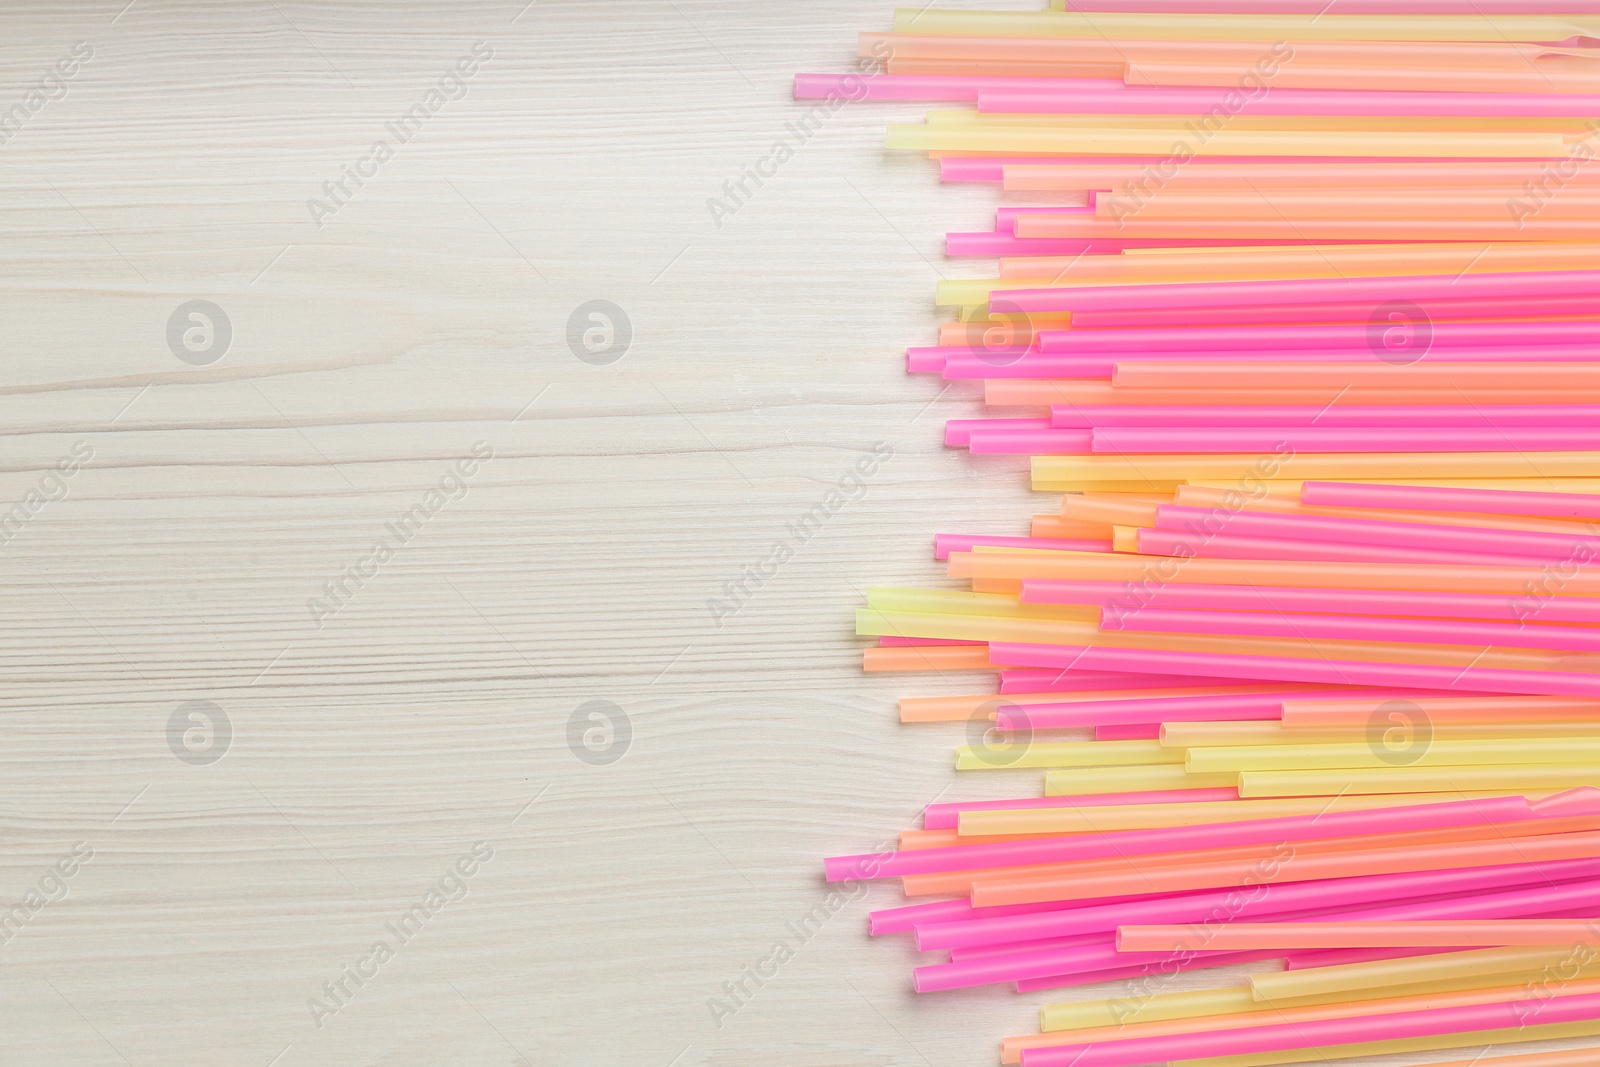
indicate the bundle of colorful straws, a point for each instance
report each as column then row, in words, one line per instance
column 1304, row 321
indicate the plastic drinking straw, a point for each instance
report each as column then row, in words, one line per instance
column 1068, row 639
column 1292, row 865
column 1304, row 262
column 1225, row 142
column 944, row 544
column 1259, row 27
column 1265, row 703
column 906, row 918
column 1089, row 685
column 1186, row 544
column 1282, row 463
column 1362, row 712
column 1381, row 973
column 1287, row 668
column 956, row 431
column 1220, row 374
column 958, row 602
column 1257, row 1013
column 1287, row 503
column 1362, row 780
column 1122, row 704
column 951, row 658
column 1337, row 7
column 1004, row 392
column 1048, row 175
column 1313, row 338
column 1370, row 531
column 1420, row 631
column 926, row 87
column 1266, row 230
column 1080, row 781
column 1420, row 498
column 1326, row 934
column 1109, row 567
column 1577, row 1057
column 1167, row 100
column 1135, row 440
column 975, row 824
column 1065, row 754
column 1188, row 838
column 1407, row 1045
column 1309, row 1034
column 1116, row 598
column 1327, row 204
column 946, row 816
column 1212, row 735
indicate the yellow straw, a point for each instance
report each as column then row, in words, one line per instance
column 1434, row 753
column 1512, row 779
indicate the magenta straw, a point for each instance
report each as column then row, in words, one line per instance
column 1179, row 100
column 957, row 431
column 946, row 816
column 1557, row 283
column 1115, row 598
column 1342, row 7
column 1471, row 501
column 1074, row 417
column 1558, row 546
column 1287, row 669
column 1413, row 631
column 1181, row 838
column 1306, row 313
column 1238, row 546
column 938, row 933
column 1014, row 961
column 1510, row 1014
column 1139, row 440
column 1009, row 362
column 1132, row 732
column 1288, row 339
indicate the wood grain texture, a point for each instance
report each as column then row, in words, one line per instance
column 374, row 746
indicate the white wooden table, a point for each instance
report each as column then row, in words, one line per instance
column 285, row 646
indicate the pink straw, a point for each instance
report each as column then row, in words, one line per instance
column 1206, row 545
column 1255, row 707
column 1138, row 440
column 1295, row 338
column 1287, row 669
column 1114, row 597
column 1558, row 546
column 944, row 544
column 1331, row 311
column 1179, row 100
column 1342, row 7
column 926, row 87
column 1293, row 896
column 1415, row 631
column 1473, row 501
column 1181, row 838
column 1400, row 415
column 957, row 432
column 1553, row 283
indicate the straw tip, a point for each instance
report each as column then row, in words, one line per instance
column 1580, row 800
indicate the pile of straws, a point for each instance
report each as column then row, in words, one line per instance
column 1306, row 332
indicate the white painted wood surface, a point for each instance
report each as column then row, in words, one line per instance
column 431, row 711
